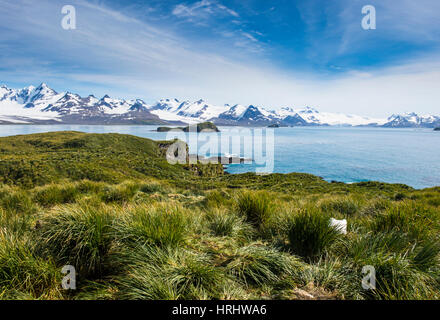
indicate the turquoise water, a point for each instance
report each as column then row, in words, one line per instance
column 409, row 156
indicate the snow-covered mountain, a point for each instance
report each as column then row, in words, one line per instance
column 412, row 120
column 44, row 105
column 312, row 116
column 189, row 112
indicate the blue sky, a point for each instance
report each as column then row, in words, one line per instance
column 271, row 53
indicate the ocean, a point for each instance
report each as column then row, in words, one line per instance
column 346, row 154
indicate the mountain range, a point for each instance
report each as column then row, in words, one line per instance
column 43, row 105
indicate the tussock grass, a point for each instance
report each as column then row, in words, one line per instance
column 18, row 202
column 216, row 198
column 56, row 194
column 255, row 207
column 399, row 196
column 345, row 206
column 23, row 274
column 404, row 270
column 152, row 188
column 222, row 223
column 310, row 234
column 159, row 224
column 417, row 220
column 258, row 265
column 16, row 223
column 329, row 274
column 120, row 193
column 87, row 186
column 79, row 236
column 375, row 207
column 169, row 273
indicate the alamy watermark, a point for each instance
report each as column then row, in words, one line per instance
column 369, row 20
column 253, row 146
column 68, row 22
column 369, row 280
column 69, row 281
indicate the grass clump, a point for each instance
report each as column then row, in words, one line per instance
column 216, row 198
column 119, row 193
column 418, row 221
column 224, row 224
column 169, row 273
column 56, row 194
column 260, row 265
column 23, row 274
column 255, row 207
column 403, row 270
column 79, row 236
column 310, row 233
column 17, row 202
column 159, row 224
column 151, row 188
column 344, row 206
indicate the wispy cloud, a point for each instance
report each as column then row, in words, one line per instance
column 335, row 31
column 202, row 10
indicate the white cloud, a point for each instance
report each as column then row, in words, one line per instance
column 249, row 36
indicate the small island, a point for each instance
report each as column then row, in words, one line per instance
column 275, row 125
column 437, row 129
column 204, row 126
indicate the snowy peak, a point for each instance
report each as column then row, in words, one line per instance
column 42, row 92
column 190, row 112
column 412, row 120
column 42, row 103
column 233, row 113
column 138, row 105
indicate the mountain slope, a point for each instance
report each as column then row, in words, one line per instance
column 44, row 105
column 412, row 120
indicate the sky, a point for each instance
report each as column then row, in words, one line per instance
column 280, row 53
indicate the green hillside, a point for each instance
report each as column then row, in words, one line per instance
column 38, row 159
column 136, row 227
